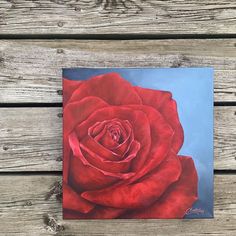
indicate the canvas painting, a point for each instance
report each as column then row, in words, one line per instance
column 137, row 143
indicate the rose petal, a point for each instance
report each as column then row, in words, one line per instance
column 177, row 199
column 89, row 143
column 105, row 139
column 74, row 113
column 73, row 200
column 142, row 193
column 98, row 127
column 112, row 135
column 123, row 148
column 86, row 177
column 110, row 87
column 164, row 103
column 66, row 159
column 98, row 213
column 121, row 166
column 161, row 139
column 83, row 175
column 68, row 88
column 77, row 112
column 137, row 118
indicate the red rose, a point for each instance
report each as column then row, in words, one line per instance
column 120, row 152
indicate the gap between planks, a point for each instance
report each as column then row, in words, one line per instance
column 114, row 37
column 30, row 70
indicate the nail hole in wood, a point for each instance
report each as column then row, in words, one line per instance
column 59, row 159
column 5, row 148
column 59, row 51
column 59, row 92
column 60, row 24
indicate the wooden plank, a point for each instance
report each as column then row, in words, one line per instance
column 31, row 205
column 225, row 138
column 31, row 139
column 118, row 17
column 30, row 70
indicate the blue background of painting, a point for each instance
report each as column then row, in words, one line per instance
column 192, row 88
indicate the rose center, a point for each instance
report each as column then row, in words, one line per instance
column 110, row 133
column 114, row 132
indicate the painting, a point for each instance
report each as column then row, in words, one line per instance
column 137, row 143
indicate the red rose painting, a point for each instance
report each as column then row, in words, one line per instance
column 121, row 145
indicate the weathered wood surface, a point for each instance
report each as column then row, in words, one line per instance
column 30, row 70
column 117, row 17
column 31, row 205
column 31, row 139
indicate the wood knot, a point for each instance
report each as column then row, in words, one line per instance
column 182, row 60
column 119, row 5
column 51, row 224
column 28, row 203
column 176, row 64
column 1, row 61
column 56, row 189
column 185, row 59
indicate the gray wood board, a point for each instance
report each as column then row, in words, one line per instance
column 30, row 70
column 117, row 17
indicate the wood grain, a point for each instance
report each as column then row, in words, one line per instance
column 30, row 70
column 117, row 17
column 31, row 205
column 31, row 139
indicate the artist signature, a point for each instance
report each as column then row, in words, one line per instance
column 197, row 211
